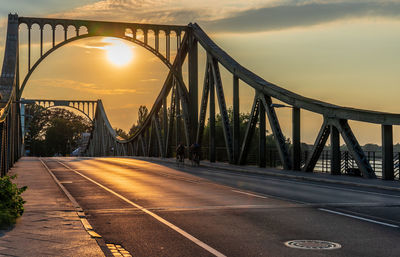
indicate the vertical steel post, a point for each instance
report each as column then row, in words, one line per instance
column 193, row 86
column 212, row 122
column 53, row 30
column 29, row 47
column 167, row 45
column 236, row 122
column 387, row 152
column 335, row 151
column 145, row 36
column 296, row 153
column 262, row 138
column 178, row 117
column 157, row 40
column 165, row 123
column 41, row 41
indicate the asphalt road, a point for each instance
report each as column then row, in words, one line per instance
column 157, row 210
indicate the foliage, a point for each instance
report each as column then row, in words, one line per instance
column 143, row 112
column 53, row 131
column 11, row 202
column 244, row 118
column 120, row 132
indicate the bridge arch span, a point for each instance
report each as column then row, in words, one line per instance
column 121, row 35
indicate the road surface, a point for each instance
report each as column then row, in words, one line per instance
column 162, row 210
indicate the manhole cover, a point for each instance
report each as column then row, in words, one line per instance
column 312, row 245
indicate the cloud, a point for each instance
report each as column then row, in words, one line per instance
column 234, row 15
column 150, row 80
column 82, row 86
column 305, row 13
column 133, row 11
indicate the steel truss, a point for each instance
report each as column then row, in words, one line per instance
column 184, row 119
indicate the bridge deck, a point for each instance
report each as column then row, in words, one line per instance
column 162, row 210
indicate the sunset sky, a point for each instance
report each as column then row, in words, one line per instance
column 343, row 52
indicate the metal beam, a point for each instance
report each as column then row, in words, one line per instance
column 276, row 130
column 251, row 126
column 296, row 141
column 318, row 147
column 235, row 120
column 211, row 144
column 335, row 151
column 262, row 138
column 222, row 108
column 387, row 153
column 203, row 106
column 354, row 147
column 193, row 85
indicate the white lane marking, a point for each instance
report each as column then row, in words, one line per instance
column 359, row 218
column 245, row 193
column 301, row 183
column 165, row 222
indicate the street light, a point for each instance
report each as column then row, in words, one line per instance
column 280, row 106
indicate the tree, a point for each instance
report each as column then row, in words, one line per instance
column 120, row 132
column 143, row 112
column 51, row 131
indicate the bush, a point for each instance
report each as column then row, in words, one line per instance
column 11, row 202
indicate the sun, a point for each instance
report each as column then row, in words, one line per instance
column 117, row 52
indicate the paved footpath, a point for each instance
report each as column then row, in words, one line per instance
column 50, row 225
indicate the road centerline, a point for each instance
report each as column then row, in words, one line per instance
column 250, row 194
column 358, row 217
column 160, row 219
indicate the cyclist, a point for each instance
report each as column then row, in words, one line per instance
column 180, row 153
column 195, row 153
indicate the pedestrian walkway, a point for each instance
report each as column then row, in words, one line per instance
column 50, row 225
column 318, row 177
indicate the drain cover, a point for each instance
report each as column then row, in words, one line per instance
column 312, row 245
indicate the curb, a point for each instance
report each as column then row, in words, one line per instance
column 80, row 213
column 268, row 173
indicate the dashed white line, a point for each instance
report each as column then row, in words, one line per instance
column 165, row 222
column 359, row 218
column 245, row 193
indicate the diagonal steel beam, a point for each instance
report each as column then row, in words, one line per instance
column 354, row 147
column 160, row 140
column 171, row 121
column 203, row 106
column 251, row 126
column 318, row 147
column 184, row 100
column 276, row 130
column 222, row 108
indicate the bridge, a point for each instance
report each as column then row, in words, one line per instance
column 154, row 138
column 179, row 115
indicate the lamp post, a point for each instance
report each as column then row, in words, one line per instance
column 296, row 153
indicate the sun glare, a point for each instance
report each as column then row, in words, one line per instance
column 118, row 53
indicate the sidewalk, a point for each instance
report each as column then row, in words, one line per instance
column 50, row 225
column 318, row 177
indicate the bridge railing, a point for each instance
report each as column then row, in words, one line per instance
column 10, row 127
